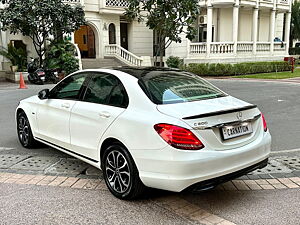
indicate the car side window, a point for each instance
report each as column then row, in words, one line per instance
column 69, row 88
column 106, row 89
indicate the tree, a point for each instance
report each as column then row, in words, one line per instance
column 295, row 22
column 167, row 18
column 40, row 20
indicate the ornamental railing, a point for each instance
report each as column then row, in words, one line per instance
column 123, row 55
column 117, row 3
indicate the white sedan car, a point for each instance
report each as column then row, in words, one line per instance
column 148, row 127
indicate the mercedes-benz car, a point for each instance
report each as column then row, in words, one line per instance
column 148, row 127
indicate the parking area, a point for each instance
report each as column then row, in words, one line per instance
column 41, row 179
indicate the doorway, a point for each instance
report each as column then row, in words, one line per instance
column 85, row 39
column 124, row 35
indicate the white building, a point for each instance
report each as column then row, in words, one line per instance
column 228, row 31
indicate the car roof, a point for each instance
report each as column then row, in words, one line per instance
column 141, row 72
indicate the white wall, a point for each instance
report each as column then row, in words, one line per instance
column 225, row 24
column 245, row 25
column 279, row 26
column 140, row 39
column 263, row 26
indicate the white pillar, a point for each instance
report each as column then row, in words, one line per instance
column 272, row 30
column 254, row 29
column 209, row 29
column 287, row 31
column 235, row 26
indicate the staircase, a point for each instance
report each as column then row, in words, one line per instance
column 101, row 63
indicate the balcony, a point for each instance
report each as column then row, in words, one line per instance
column 113, row 6
column 226, row 49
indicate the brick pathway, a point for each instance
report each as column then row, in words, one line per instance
column 172, row 203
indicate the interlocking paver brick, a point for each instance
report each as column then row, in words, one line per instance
column 187, row 210
column 199, row 215
column 229, row 186
column 36, row 179
column 57, row 181
column 69, row 182
column 10, row 180
column 25, row 179
column 273, row 181
column 226, row 222
column 291, row 185
column 295, row 180
column 214, row 219
column 80, row 183
column 279, row 186
column 46, row 180
column 267, row 186
column 285, row 180
column 92, row 184
column 102, row 186
column 180, row 203
column 261, row 181
column 240, row 185
column 252, row 185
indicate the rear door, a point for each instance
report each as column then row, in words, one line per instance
column 104, row 100
column 53, row 115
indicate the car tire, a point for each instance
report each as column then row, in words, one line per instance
column 121, row 174
column 24, row 131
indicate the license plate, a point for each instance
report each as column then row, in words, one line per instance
column 236, row 130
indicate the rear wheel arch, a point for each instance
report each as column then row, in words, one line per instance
column 108, row 142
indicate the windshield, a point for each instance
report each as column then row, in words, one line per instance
column 176, row 87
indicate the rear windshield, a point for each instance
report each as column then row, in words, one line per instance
column 177, row 87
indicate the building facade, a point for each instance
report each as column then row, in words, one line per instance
column 227, row 31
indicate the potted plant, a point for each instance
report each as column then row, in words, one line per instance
column 17, row 58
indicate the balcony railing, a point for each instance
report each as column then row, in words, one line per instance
column 227, row 48
column 73, row 1
column 117, row 3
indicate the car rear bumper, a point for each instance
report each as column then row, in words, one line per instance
column 176, row 170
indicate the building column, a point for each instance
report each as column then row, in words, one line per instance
column 209, row 29
column 272, row 29
column 287, row 31
column 254, row 29
column 235, row 26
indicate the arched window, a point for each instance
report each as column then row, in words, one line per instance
column 112, row 33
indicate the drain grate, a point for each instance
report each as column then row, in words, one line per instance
column 291, row 162
column 35, row 163
column 9, row 160
column 273, row 167
column 67, row 166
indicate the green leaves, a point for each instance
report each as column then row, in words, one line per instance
column 169, row 18
column 295, row 21
column 41, row 19
column 17, row 56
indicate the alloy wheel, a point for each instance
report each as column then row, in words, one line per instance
column 117, row 171
column 23, row 129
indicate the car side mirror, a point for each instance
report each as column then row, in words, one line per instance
column 43, row 94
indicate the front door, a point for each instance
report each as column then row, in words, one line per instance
column 53, row 115
column 124, row 35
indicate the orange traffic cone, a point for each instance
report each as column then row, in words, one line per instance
column 22, row 82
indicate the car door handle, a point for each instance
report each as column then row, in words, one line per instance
column 65, row 105
column 104, row 114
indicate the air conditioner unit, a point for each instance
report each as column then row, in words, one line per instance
column 202, row 19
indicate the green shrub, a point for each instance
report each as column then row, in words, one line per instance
column 174, row 62
column 220, row 69
column 61, row 55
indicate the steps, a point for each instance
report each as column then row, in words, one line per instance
column 101, row 63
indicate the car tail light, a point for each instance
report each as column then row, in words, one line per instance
column 264, row 122
column 178, row 137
